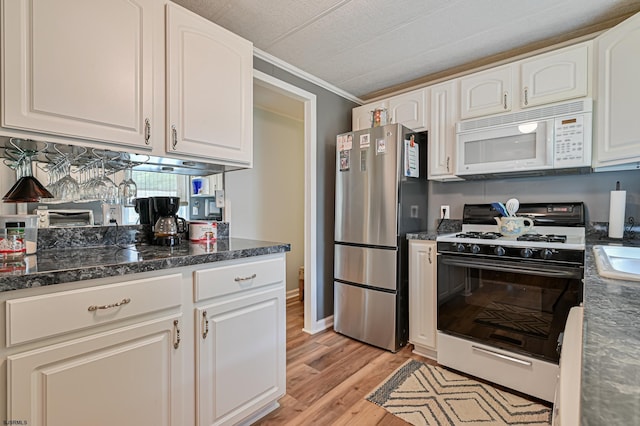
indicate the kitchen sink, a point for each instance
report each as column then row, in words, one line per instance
column 618, row 262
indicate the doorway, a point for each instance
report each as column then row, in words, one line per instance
column 279, row 94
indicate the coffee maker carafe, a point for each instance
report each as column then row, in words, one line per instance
column 168, row 227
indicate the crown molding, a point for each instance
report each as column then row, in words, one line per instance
column 261, row 54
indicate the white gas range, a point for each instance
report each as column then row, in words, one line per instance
column 503, row 301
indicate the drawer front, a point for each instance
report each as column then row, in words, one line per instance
column 38, row 317
column 527, row 375
column 225, row 280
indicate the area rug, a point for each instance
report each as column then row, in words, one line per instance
column 423, row 394
column 516, row 318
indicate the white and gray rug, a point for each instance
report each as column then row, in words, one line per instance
column 423, row 394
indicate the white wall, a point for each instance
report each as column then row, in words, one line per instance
column 267, row 201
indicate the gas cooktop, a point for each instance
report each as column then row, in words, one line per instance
column 558, row 233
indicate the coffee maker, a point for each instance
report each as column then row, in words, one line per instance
column 167, row 228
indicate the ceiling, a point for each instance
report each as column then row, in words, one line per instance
column 369, row 47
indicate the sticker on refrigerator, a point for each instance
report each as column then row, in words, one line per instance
column 340, row 139
column 345, row 160
column 364, row 141
column 411, row 158
column 381, row 146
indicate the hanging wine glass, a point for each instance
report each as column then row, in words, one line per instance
column 67, row 187
column 127, row 189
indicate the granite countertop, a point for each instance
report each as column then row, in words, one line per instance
column 610, row 391
column 57, row 266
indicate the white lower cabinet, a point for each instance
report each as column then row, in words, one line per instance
column 201, row 345
column 240, row 342
column 121, row 377
column 423, row 297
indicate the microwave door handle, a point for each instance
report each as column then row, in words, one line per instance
column 492, row 266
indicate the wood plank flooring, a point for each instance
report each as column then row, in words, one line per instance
column 328, row 376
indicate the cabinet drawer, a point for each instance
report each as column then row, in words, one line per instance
column 37, row 317
column 231, row 279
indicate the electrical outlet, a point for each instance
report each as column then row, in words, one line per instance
column 444, row 212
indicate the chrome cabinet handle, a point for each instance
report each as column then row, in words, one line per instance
column 429, row 256
column 448, row 158
column 147, row 131
column 239, row 279
column 111, row 305
column 526, row 96
column 205, row 332
column 174, row 136
column 505, row 100
column 176, row 328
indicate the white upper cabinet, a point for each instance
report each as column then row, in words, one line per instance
column 543, row 79
column 81, row 69
column 486, row 92
column 409, row 109
column 618, row 95
column 361, row 117
column 209, row 90
column 442, row 135
column 560, row 75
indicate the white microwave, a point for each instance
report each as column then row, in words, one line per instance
column 552, row 139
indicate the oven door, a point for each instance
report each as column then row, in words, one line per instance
column 517, row 305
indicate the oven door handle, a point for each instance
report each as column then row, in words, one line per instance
column 545, row 271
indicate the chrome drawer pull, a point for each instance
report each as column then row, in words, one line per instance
column 206, row 325
column 112, row 305
column 239, row 279
column 176, row 327
column 503, row 356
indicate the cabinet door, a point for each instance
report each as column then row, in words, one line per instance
column 128, row 376
column 487, row 92
column 409, row 109
column 555, row 77
column 209, row 89
column 241, row 357
column 442, row 135
column 422, row 294
column 618, row 126
column 361, row 117
column 82, row 69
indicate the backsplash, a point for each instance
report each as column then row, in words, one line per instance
column 51, row 238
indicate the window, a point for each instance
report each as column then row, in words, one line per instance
column 154, row 184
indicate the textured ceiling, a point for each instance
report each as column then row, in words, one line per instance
column 367, row 46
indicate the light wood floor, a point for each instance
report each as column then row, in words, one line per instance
column 328, row 376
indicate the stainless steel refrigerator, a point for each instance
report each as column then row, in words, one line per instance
column 381, row 195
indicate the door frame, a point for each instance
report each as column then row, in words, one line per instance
column 311, row 325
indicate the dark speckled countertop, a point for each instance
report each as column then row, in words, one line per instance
column 62, row 265
column 610, row 393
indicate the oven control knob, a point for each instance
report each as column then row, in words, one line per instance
column 546, row 254
column 499, row 250
column 526, row 252
column 475, row 249
column 460, row 247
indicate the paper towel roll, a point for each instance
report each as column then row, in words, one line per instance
column 617, row 204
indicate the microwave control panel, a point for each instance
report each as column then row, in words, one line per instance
column 569, row 146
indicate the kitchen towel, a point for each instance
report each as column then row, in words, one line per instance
column 617, row 204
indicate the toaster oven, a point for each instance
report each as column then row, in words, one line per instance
column 64, row 218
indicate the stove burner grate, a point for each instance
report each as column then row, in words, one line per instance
column 480, row 235
column 551, row 238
